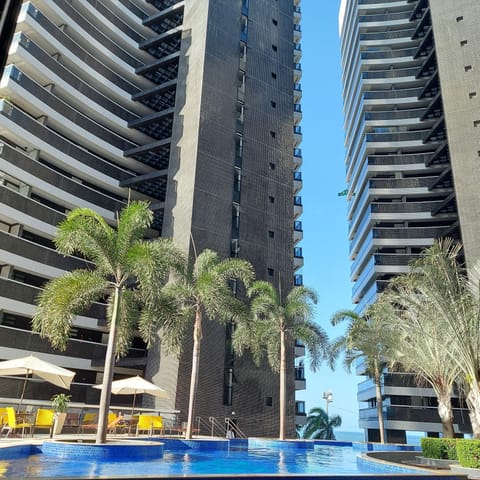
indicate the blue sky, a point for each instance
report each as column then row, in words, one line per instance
column 325, row 245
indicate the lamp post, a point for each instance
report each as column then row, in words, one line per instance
column 328, row 397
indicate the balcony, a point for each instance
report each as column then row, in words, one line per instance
column 297, row 14
column 297, row 33
column 297, row 93
column 297, row 113
column 299, row 349
column 297, row 135
column 411, row 415
column 297, row 182
column 297, row 158
column 297, row 52
column 297, row 231
column 297, row 72
column 297, row 258
column 297, row 206
column 300, row 381
column 300, row 414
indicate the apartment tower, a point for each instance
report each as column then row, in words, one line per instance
column 411, row 73
column 193, row 105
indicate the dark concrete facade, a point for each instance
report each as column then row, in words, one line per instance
column 188, row 104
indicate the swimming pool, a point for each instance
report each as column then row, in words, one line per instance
column 253, row 458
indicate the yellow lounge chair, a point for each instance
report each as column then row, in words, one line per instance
column 145, row 423
column 88, row 421
column 157, row 424
column 44, row 420
column 14, row 425
column 113, row 421
column 3, row 420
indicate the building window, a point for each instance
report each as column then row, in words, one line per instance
column 476, row 123
column 468, row 68
column 271, row 234
column 274, row 48
column 274, row 75
column 272, row 134
column 472, row 95
column 271, row 166
column 460, row 19
column 463, row 43
column 269, row 401
column 270, row 272
column 271, row 199
column 273, row 104
column 274, row 21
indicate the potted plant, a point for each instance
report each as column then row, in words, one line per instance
column 60, row 404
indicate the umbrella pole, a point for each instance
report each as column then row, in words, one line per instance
column 133, row 408
column 23, row 390
column 134, row 396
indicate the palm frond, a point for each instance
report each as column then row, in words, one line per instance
column 62, row 299
column 86, row 232
column 315, row 340
column 133, row 220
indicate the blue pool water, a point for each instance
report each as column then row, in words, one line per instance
column 258, row 459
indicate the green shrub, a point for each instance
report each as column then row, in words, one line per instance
column 443, row 448
column 450, row 446
column 468, row 452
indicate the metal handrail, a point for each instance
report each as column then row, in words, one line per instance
column 215, row 423
column 233, row 426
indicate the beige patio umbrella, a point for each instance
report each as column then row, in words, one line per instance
column 31, row 365
column 135, row 385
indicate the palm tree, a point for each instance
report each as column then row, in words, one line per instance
column 320, row 426
column 366, row 338
column 273, row 325
column 126, row 270
column 204, row 289
column 455, row 300
column 422, row 344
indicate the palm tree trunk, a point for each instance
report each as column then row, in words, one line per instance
column 446, row 414
column 283, row 384
column 473, row 402
column 378, row 395
column 108, row 372
column 444, row 408
column 197, row 336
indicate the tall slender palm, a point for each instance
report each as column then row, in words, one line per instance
column 273, row 325
column 320, row 425
column 204, row 290
column 439, row 277
column 365, row 338
column 422, row 344
column 126, row 270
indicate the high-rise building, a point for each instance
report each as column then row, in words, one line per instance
column 193, row 105
column 411, row 71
